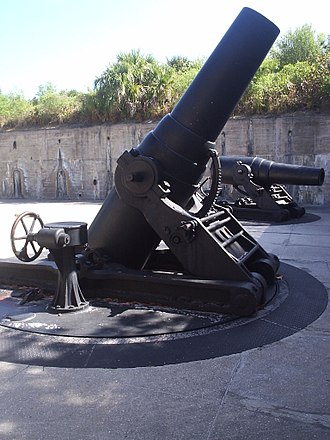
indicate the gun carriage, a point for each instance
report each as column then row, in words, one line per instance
column 147, row 243
column 261, row 185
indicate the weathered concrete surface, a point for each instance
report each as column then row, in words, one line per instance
column 78, row 163
column 277, row 391
column 64, row 163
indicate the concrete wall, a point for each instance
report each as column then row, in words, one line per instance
column 79, row 162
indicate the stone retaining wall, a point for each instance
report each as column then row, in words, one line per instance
column 78, row 163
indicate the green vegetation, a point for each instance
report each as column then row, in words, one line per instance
column 135, row 87
column 294, row 76
column 14, row 110
column 52, row 107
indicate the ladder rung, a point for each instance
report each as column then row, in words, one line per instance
column 218, row 224
column 248, row 254
column 231, row 239
column 214, row 216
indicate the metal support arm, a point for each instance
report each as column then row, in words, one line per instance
column 213, row 247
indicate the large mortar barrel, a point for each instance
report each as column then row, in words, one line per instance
column 266, row 172
column 179, row 141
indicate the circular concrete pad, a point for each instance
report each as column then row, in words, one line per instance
column 147, row 336
column 103, row 318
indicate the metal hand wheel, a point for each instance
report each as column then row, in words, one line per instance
column 22, row 236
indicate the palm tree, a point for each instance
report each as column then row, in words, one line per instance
column 133, row 86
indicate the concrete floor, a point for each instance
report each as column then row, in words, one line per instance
column 275, row 391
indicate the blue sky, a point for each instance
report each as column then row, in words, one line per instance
column 71, row 42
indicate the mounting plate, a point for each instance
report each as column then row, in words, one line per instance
column 156, row 336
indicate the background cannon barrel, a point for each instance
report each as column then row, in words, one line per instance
column 266, row 172
column 179, row 142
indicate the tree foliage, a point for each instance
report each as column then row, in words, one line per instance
column 14, row 110
column 183, row 73
column 295, row 76
column 52, row 107
column 300, row 45
column 136, row 86
column 299, row 86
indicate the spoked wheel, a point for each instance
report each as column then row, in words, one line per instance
column 21, row 237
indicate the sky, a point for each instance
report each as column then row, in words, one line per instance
column 69, row 43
